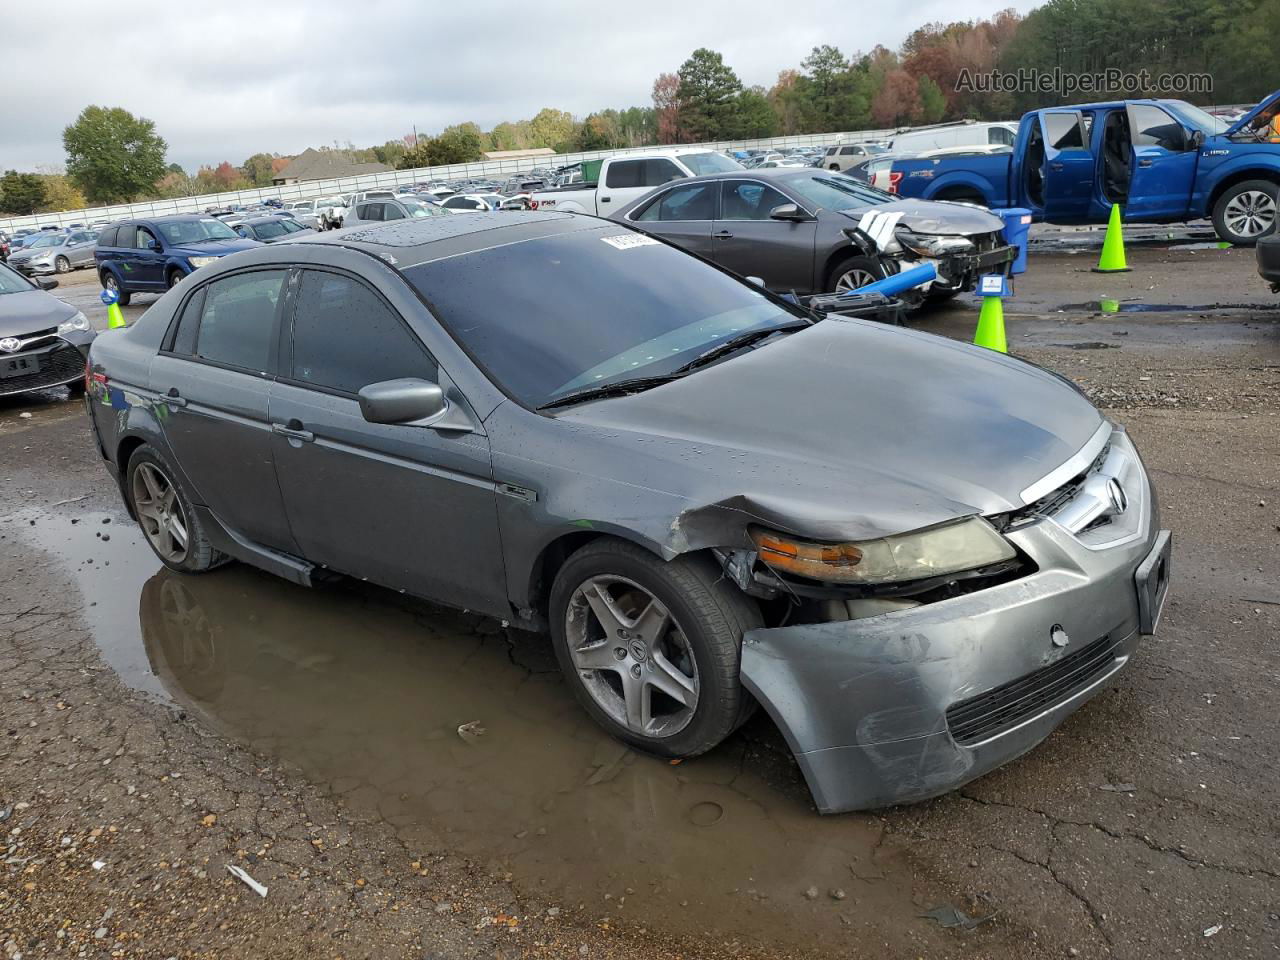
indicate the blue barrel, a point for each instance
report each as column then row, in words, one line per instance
column 1017, row 224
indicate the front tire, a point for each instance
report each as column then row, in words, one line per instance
column 173, row 278
column 164, row 512
column 109, row 282
column 61, row 265
column 854, row 272
column 652, row 648
column 1246, row 212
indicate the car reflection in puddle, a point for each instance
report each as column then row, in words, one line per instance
column 365, row 691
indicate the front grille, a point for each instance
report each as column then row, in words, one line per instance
column 996, row 711
column 57, row 366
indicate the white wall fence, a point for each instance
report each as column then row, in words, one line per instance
column 495, row 169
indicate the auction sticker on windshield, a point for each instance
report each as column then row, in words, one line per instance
column 628, row 240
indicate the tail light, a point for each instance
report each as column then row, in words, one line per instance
column 533, row 204
column 895, row 178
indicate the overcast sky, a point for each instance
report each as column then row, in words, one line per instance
column 229, row 78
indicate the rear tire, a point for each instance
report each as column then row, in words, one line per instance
column 169, row 523
column 701, row 620
column 1247, row 212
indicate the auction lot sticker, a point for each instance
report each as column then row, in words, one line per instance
column 628, row 240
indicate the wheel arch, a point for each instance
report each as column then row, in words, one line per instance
column 956, row 183
column 1236, row 177
column 825, row 274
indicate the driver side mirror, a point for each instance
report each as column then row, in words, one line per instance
column 788, row 211
column 1196, row 140
column 406, row 401
column 153, row 244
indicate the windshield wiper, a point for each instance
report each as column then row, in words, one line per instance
column 736, row 343
column 619, row 388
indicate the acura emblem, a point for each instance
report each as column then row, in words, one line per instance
column 10, row 344
column 1119, row 501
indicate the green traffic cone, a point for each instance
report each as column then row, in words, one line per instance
column 990, row 333
column 1112, row 259
column 115, row 319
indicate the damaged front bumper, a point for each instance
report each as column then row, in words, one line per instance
column 907, row 705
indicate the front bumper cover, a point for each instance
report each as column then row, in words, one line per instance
column 871, row 707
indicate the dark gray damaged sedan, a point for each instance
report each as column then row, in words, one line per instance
column 916, row 555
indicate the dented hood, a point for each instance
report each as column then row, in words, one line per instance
column 940, row 217
column 847, row 429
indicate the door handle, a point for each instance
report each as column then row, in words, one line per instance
column 293, row 430
column 724, row 235
column 1145, row 163
column 1055, row 166
column 604, row 199
column 174, row 399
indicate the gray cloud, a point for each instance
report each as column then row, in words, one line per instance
column 222, row 82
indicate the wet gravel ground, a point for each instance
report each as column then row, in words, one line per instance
column 136, row 764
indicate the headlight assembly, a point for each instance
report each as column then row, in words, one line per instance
column 78, row 322
column 918, row 555
column 199, row 262
column 934, row 246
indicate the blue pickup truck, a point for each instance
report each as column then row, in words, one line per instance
column 1163, row 161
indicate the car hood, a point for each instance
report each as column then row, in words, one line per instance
column 1244, row 121
column 26, row 253
column 939, row 217
column 848, row 429
column 23, row 313
column 212, row 248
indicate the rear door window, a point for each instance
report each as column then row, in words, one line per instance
column 107, row 238
column 1002, row 136
column 625, row 173
column 346, row 337
column 237, row 321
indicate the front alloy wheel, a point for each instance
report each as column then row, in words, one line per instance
column 632, row 657
column 1251, row 214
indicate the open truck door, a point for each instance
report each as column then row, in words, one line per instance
column 1069, row 166
column 1164, row 155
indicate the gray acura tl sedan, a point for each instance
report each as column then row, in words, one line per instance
column 916, row 555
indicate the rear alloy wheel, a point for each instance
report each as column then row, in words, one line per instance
column 109, row 282
column 164, row 513
column 652, row 648
column 853, row 273
column 62, row 265
column 1246, row 213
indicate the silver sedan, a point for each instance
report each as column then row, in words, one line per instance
column 56, row 253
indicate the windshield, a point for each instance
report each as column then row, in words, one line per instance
column 48, row 240
column 12, row 282
column 416, row 209
column 269, row 229
column 551, row 316
column 835, row 191
column 196, row 231
column 701, row 163
column 1206, row 123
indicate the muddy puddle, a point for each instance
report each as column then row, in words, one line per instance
column 366, row 691
column 1136, row 306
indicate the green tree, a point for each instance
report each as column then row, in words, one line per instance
column 60, row 194
column 21, row 193
column 113, row 155
column 551, row 128
column 754, row 116
column 708, row 96
column 390, row 152
column 457, row 144
column 257, row 169
column 933, row 105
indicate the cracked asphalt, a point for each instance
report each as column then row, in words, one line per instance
column 158, row 728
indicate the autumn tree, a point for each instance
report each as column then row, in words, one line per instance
column 897, row 102
column 666, row 107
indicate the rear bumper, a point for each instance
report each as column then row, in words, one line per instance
column 908, row 705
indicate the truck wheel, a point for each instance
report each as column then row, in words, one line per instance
column 109, row 282
column 854, row 272
column 1246, row 212
column 652, row 648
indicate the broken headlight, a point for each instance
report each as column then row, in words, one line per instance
column 918, row 555
column 934, row 246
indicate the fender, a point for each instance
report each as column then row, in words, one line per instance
column 961, row 178
column 1263, row 164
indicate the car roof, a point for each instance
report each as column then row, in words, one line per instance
column 415, row 241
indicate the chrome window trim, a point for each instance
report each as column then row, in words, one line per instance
column 1073, row 467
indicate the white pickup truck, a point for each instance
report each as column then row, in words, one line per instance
column 625, row 176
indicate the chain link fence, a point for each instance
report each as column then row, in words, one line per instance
column 491, row 169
